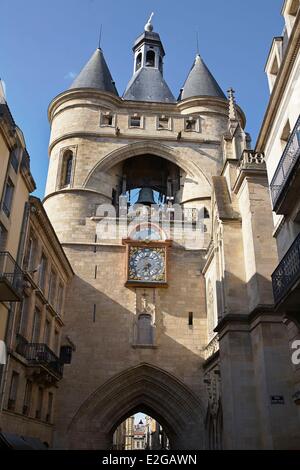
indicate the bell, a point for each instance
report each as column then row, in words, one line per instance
column 146, row 197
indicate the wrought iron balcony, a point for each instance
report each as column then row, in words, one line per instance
column 39, row 354
column 286, row 173
column 11, row 279
column 287, row 274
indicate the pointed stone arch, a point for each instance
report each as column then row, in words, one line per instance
column 150, row 148
column 143, row 388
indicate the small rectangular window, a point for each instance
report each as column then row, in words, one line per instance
column 23, row 317
column 49, row 408
column 42, row 271
column 3, row 237
column 27, row 398
column 52, row 288
column 60, row 297
column 14, row 160
column 163, row 122
column 56, row 342
column 28, row 263
column 191, row 124
column 191, row 318
column 135, row 121
column 8, row 197
column 39, row 408
column 13, row 391
column 107, row 120
column 36, row 328
column 47, row 332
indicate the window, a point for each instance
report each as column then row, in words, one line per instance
column 36, row 328
column 60, row 297
column 145, row 330
column 150, row 59
column 138, row 63
column 163, row 122
column 23, row 317
column 47, row 332
column 39, row 408
column 206, row 213
column 285, row 135
column 56, row 342
column 3, row 236
column 67, row 166
column 42, row 271
column 28, row 263
column 135, row 121
column 27, row 398
column 191, row 124
column 294, row 8
column 191, row 318
column 107, row 119
column 14, row 160
column 52, row 287
column 8, row 197
column 13, row 391
column 49, row 408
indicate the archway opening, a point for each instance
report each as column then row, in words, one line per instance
column 157, row 177
column 140, row 431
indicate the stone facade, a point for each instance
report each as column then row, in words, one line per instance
column 220, row 354
column 279, row 139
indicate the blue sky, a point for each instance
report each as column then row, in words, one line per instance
column 44, row 43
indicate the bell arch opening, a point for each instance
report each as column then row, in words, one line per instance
column 147, row 389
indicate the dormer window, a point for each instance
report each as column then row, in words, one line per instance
column 138, row 63
column 135, row 121
column 150, row 59
column 163, row 123
column 107, row 120
column 191, row 124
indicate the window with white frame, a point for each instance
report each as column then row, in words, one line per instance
column 107, row 119
column 191, row 124
column 163, row 122
column 135, row 121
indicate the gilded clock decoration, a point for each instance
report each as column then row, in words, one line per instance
column 146, row 264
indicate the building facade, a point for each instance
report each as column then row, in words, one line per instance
column 37, row 347
column 279, row 139
column 34, row 273
column 179, row 324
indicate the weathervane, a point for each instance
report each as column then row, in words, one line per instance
column 148, row 25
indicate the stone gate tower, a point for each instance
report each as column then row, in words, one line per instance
column 144, row 304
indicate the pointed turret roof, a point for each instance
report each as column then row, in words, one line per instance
column 96, row 74
column 148, row 84
column 200, row 82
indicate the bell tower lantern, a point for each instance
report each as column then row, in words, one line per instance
column 148, row 49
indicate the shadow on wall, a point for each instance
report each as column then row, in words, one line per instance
column 109, row 379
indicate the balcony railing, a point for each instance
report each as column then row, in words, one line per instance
column 286, row 165
column 287, row 272
column 11, row 279
column 39, row 354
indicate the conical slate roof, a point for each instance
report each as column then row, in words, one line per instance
column 200, row 82
column 95, row 74
column 148, row 84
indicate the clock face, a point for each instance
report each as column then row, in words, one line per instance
column 146, row 264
